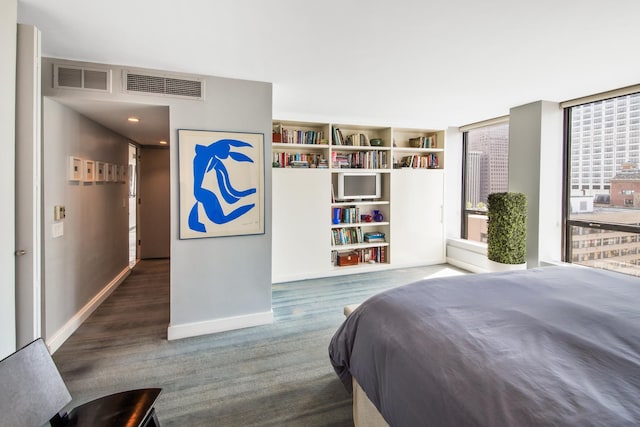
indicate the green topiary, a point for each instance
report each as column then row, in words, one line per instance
column 507, row 228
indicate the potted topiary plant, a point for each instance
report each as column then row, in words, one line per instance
column 507, row 231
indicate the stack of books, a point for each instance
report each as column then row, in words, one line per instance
column 298, row 164
column 340, row 161
column 373, row 237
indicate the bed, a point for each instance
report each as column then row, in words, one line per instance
column 553, row 346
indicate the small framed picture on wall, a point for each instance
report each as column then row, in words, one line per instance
column 89, row 170
column 100, row 171
column 75, row 168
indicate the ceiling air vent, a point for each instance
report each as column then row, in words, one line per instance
column 169, row 86
column 70, row 77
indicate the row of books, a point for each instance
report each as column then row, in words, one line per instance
column 354, row 235
column 346, row 236
column 424, row 141
column 360, row 160
column 349, row 215
column 428, row 161
column 356, row 139
column 373, row 255
column 299, row 160
column 298, row 136
column 338, row 139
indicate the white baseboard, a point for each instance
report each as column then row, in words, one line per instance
column 62, row 334
column 186, row 330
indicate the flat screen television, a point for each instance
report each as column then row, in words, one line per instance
column 357, row 185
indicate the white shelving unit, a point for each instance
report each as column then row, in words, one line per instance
column 410, row 163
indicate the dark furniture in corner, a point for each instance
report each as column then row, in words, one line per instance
column 33, row 394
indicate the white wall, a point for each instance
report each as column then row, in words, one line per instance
column 28, row 185
column 453, row 182
column 535, row 169
column 8, row 20
column 216, row 283
column 93, row 249
column 551, row 165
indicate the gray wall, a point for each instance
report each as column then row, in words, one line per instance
column 217, row 278
column 94, row 246
column 155, row 209
column 8, row 20
column 222, row 277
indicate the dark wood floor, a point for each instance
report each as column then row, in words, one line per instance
column 272, row 375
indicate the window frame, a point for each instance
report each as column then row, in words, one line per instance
column 568, row 223
column 463, row 194
column 463, row 198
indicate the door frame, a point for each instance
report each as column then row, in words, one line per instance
column 28, row 198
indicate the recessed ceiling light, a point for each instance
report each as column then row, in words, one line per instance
column 133, row 119
column 163, row 142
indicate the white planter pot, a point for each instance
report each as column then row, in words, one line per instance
column 498, row 266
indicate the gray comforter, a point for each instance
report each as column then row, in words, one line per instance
column 553, row 346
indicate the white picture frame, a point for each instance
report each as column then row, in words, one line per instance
column 88, row 169
column 100, row 171
column 75, row 168
column 221, row 181
column 109, row 172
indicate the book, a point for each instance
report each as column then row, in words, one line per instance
column 374, row 234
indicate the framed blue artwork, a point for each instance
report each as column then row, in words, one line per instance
column 221, row 183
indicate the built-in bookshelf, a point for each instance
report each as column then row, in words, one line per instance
column 300, row 145
column 360, row 228
column 415, row 148
column 409, row 166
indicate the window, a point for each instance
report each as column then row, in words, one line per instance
column 603, row 198
column 485, row 171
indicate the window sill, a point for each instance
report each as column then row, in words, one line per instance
column 468, row 245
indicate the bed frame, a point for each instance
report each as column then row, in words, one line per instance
column 365, row 414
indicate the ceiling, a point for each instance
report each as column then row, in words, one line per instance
column 152, row 127
column 399, row 63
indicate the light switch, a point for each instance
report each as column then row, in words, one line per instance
column 59, row 213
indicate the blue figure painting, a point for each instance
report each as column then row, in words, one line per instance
column 212, row 158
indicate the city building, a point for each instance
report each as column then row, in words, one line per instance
column 604, row 136
column 625, row 187
column 487, row 164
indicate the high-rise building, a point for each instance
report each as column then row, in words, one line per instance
column 487, row 163
column 473, row 178
column 604, row 135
